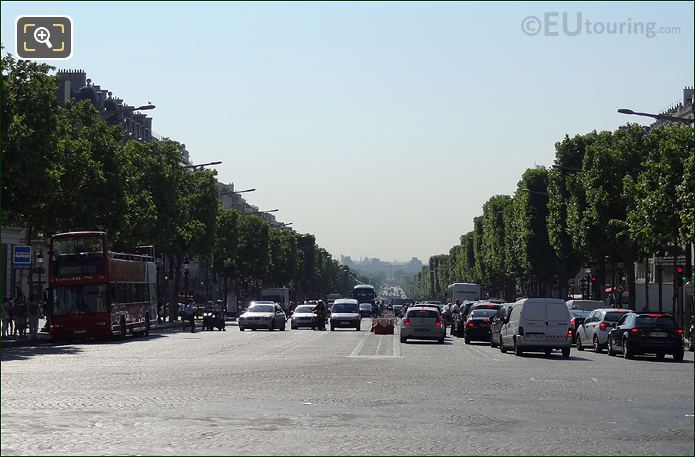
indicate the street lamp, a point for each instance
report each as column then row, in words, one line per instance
column 660, row 117
column 127, row 109
column 263, row 212
column 237, row 191
column 660, row 271
column 200, row 166
column 186, row 271
column 39, row 269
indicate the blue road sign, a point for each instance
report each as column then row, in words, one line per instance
column 21, row 257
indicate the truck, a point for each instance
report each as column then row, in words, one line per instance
column 463, row 291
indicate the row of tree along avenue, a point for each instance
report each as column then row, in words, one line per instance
column 65, row 169
column 612, row 198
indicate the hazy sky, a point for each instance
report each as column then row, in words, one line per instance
column 380, row 128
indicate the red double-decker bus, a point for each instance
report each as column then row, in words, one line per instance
column 96, row 292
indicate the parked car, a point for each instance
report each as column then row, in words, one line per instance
column 397, row 310
column 691, row 344
column 262, row 315
column 585, row 305
column 304, row 316
column 537, row 325
column 497, row 321
column 459, row 322
column 345, row 313
column 595, row 328
column 478, row 325
column 422, row 323
column 577, row 318
column 646, row 333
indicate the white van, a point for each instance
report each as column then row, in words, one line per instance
column 537, row 325
column 585, row 305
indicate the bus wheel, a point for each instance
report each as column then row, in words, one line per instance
column 147, row 324
column 123, row 329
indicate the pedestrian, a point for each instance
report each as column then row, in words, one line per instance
column 5, row 316
column 20, row 317
column 190, row 316
column 34, row 315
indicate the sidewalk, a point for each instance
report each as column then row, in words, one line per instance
column 44, row 338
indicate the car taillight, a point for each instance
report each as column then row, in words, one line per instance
column 438, row 324
column 406, row 321
column 602, row 325
column 569, row 332
column 572, row 322
column 470, row 324
column 680, row 331
column 634, row 330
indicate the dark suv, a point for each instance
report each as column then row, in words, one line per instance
column 648, row 333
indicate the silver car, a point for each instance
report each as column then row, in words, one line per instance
column 262, row 315
column 422, row 323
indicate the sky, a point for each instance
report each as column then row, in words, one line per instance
column 381, row 128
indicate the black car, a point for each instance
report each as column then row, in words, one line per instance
column 577, row 317
column 478, row 325
column 646, row 333
column 497, row 321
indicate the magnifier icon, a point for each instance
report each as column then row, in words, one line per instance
column 42, row 35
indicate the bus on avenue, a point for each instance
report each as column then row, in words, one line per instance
column 95, row 292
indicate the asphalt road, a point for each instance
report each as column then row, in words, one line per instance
column 342, row 392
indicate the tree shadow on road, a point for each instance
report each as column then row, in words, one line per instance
column 26, row 352
column 554, row 355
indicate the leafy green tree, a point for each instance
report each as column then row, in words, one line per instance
column 283, row 257
column 655, row 214
column 227, row 245
column 494, row 254
column 254, row 247
column 29, row 156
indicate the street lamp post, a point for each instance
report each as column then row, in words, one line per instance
column 159, row 263
column 264, row 212
column 39, row 270
column 186, row 271
column 200, row 166
column 660, row 271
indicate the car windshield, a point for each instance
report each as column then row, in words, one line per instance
column 483, row 313
column 261, row 309
column 664, row 322
column 365, row 306
column 344, row 308
column 581, row 313
column 304, row 309
column 613, row 316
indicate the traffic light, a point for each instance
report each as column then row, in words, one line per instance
column 680, row 276
column 593, row 278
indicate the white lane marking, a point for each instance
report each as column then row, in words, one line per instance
column 360, row 345
column 594, row 379
column 378, row 344
column 397, row 344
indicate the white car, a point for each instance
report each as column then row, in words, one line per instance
column 268, row 315
column 345, row 313
column 596, row 327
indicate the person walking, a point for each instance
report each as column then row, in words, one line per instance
column 5, row 316
column 20, row 318
column 190, row 316
column 34, row 315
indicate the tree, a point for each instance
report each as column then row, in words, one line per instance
column 494, row 254
column 656, row 206
column 226, row 245
column 254, row 248
column 283, row 257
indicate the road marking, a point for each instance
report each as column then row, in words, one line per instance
column 378, row 344
column 360, row 345
column 475, row 349
column 397, row 344
column 594, row 379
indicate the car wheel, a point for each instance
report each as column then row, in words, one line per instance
column 253, row 329
column 597, row 347
column 678, row 356
column 467, row 340
column 404, row 339
column 441, row 340
column 566, row 353
column 579, row 343
column 357, row 328
column 272, row 326
column 660, row 356
column 503, row 349
column 241, row 329
column 627, row 353
column 517, row 350
column 610, row 350
column 548, row 351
